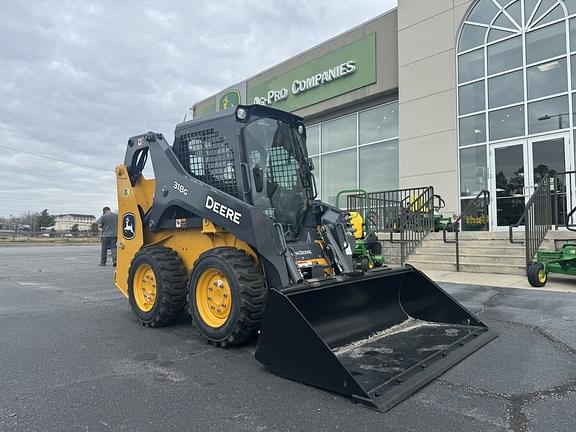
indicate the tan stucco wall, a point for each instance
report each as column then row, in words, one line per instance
column 427, row 33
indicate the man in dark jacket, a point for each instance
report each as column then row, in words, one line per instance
column 109, row 224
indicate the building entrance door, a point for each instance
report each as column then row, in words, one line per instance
column 516, row 170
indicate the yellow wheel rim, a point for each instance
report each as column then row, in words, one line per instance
column 145, row 288
column 542, row 276
column 213, row 298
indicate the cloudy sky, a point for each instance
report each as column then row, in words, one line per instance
column 77, row 78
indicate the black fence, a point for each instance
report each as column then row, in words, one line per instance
column 407, row 215
column 384, row 209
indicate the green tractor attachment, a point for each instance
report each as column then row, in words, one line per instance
column 367, row 252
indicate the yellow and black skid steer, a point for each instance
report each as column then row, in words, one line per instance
column 230, row 231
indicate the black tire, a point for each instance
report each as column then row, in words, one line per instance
column 170, row 275
column 534, row 275
column 365, row 263
column 248, row 291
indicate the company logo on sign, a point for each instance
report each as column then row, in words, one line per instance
column 128, row 226
column 300, row 86
column 229, row 100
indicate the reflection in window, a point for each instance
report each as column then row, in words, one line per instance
column 313, row 140
column 505, row 55
column 379, row 166
column 471, row 37
column 549, row 114
column 338, row 134
column 379, row 123
column 546, row 42
column 547, row 79
column 470, row 66
column 506, row 89
column 472, row 129
column 338, row 173
column 472, row 170
column 471, row 97
column 506, row 123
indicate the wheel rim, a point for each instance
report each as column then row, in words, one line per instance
column 145, row 288
column 541, row 276
column 213, row 298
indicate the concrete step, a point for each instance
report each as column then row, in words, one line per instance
column 485, row 242
column 487, row 260
column 468, row 267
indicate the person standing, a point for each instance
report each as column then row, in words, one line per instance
column 108, row 222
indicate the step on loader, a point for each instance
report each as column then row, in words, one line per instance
column 230, row 231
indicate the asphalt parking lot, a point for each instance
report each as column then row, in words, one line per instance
column 73, row 358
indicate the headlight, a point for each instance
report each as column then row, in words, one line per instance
column 241, row 114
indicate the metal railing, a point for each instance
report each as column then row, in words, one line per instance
column 414, row 223
column 536, row 219
column 384, row 208
column 482, row 198
column 547, row 207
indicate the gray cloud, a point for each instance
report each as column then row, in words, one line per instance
column 78, row 78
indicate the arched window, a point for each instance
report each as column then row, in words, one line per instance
column 516, row 69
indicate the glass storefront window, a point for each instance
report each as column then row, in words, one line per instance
column 573, row 34
column 505, row 89
column 472, row 129
column 545, row 43
column 338, row 173
column 339, row 134
column 506, row 123
column 471, row 98
column 472, row 171
column 313, row 140
column 379, row 166
column 470, row 66
column 379, row 123
column 548, row 114
column 483, row 12
column 505, row 55
column 547, row 79
column 371, row 144
column 471, row 37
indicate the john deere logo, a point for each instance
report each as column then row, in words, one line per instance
column 128, row 226
column 229, row 100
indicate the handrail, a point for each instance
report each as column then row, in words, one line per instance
column 522, row 220
column 485, row 195
column 568, row 217
column 407, row 218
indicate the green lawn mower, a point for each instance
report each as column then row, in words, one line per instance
column 367, row 252
column 441, row 222
column 561, row 261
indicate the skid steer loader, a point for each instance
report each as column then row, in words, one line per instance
column 230, row 231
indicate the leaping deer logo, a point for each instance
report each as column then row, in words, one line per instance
column 128, row 229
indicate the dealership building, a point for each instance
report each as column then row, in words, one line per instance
column 460, row 95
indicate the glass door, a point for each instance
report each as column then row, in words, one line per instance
column 551, row 155
column 508, row 185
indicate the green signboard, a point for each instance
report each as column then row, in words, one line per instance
column 340, row 71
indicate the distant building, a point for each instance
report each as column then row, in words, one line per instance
column 65, row 222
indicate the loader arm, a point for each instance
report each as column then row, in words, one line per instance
column 176, row 188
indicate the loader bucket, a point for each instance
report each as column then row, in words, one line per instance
column 377, row 338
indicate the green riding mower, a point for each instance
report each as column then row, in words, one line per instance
column 367, row 252
column 441, row 222
column 562, row 261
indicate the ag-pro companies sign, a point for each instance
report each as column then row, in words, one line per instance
column 340, row 71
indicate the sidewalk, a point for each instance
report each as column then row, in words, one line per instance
column 556, row 282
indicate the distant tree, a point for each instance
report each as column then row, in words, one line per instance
column 94, row 229
column 74, row 229
column 45, row 219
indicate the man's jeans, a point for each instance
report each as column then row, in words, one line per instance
column 108, row 243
